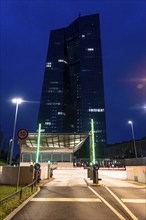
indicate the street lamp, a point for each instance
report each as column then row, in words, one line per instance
column 16, row 101
column 131, row 123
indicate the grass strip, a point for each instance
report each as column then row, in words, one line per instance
column 8, row 205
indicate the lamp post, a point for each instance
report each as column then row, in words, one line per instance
column 9, row 148
column 16, row 101
column 131, row 123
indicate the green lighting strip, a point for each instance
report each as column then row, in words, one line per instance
column 38, row 144
column 92, row 143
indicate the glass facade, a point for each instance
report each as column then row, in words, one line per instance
column 45, row 157
column 73, row 88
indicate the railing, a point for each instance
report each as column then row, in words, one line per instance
column 140, row 161
column 9, row 203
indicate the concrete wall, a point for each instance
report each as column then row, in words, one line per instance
column 63, row 165
column 9, row 175
column 44, row 169
column 136, row 173
column 44, row 166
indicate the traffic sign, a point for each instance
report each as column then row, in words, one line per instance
column 37, row 166
column 22, row 133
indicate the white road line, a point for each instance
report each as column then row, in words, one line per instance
column 65, row 200
column 134, row 200
column 106, row 203
column 123, row 205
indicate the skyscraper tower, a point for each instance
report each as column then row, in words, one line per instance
column 73, row 89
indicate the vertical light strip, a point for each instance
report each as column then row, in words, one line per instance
column 38, row 143
column 92, row 142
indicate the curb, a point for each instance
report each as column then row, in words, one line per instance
column 14, row 212
column 91, row 183
column 43, row 182
column 138, row 184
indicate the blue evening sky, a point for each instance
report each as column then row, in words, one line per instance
column 24, row 38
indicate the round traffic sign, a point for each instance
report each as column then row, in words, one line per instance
column 22, row 133
column 37, row 166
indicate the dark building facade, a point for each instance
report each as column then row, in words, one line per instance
column 73, row 88
column 126, row 149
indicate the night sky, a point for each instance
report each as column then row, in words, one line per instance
column 25, row 30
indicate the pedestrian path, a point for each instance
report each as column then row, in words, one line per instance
column 113, row 178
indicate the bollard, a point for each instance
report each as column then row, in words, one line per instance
column 91, row 173
column 37, row 175
column 88, row 172
column 20, row 194
column 95, row 176
column 49, row 171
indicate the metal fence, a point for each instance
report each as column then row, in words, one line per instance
column 9, row 203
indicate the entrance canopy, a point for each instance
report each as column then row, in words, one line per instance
column 72, row 141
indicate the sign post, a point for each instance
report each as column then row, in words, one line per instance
column 22, row 134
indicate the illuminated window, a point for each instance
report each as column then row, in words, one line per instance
column 90, row 49
column 47, row 123
column 61, row 113
column 83, row 35
column 62, row 61
column 102, row 140
column 96, row 109
column 48, row 64
column 53, row 103
column 54, row 82
column 98, row 131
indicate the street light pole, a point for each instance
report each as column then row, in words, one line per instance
column 9, row 149
column 132, row 129
column 16, row 101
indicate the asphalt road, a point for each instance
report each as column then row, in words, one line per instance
column 72, row 196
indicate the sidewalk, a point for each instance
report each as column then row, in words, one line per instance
column 112, row 178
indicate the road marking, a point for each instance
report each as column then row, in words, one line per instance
column 65, row 200
column 106, row 203
column 123, row 205
column 134, row 200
